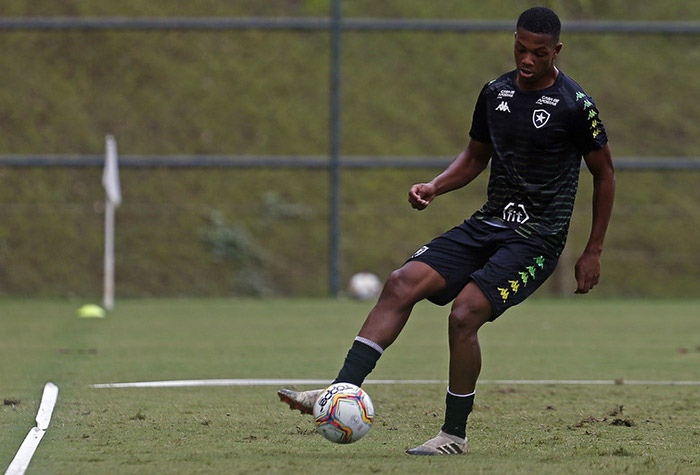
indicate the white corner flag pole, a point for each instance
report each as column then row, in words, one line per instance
column 113, row 198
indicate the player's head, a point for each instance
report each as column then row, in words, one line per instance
column 542, row 21
column 536, row 47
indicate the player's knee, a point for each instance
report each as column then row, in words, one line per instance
column 399, row 287
column 467, row 317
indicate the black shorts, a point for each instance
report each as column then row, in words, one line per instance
column 506, row 266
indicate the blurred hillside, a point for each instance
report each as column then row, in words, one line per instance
column 262, row 92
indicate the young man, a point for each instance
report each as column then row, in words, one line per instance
column 534, row 124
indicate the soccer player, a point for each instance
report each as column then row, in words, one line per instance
column 534, row 124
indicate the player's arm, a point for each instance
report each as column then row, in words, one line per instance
column 600, row 164
column 463, row 169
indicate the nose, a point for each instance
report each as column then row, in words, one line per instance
column 527, row 60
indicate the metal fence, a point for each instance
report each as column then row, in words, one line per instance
column 346, row 25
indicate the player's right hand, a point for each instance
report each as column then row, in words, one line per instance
column 420, row 195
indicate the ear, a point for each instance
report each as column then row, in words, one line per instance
column 557, row 49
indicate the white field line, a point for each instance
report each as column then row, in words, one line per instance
column 325, row 382
column 26, row 451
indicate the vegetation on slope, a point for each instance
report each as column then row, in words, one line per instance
column 258, row 92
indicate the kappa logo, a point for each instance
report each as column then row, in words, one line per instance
column 540, row 117
column 514, row 285
column 503, row 107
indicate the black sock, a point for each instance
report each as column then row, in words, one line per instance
column 456, row 412
column 360, row 361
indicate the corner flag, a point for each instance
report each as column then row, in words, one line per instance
column 113, row 198
column 110, row 174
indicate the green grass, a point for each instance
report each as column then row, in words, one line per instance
column 514, row 428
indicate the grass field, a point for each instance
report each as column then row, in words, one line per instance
column 514, row 429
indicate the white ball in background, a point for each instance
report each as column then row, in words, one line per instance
column 364, row 286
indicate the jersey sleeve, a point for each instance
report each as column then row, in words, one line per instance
column 589, row 130
column 480, row 125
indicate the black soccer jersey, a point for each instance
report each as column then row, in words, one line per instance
column 538, row 138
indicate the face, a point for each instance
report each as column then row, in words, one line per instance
column 534, row 59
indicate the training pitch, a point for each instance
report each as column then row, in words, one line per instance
column 576, row 385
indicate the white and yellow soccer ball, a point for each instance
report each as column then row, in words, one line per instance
column 364, row 286
column 343, row 413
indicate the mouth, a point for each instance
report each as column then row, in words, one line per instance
column 526, row 73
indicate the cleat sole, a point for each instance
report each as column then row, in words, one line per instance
column 293, row 405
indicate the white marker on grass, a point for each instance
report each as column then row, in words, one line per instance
column 324, row 382
column 26, row 451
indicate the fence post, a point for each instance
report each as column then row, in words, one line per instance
column 335, row 126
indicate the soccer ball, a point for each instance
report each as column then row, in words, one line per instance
column 343, row 413
column 364, row 286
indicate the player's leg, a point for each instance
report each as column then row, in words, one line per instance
column 413, row 282
column 470, row 310
column 516, row 268
column 406, row 286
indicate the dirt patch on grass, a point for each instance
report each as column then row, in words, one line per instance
column 613, row 418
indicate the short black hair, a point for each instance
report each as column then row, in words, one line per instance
column 540, row 20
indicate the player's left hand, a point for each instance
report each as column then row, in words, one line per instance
column 587, row 272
